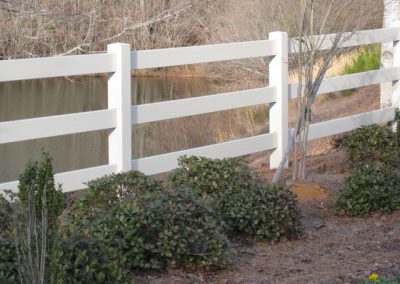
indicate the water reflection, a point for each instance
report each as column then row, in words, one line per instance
column 36, row 98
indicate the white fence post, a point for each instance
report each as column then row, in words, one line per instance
column 396, row 63
column 278, row 113
column 119, row 98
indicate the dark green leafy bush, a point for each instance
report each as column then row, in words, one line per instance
column 129, row 221
column 211, row 176
column 368, row 189
column 170, row 228
column 246, row 208
column 8, row 257
column 5, row 217
column 109, row 190
column 37, row 208
column 22, row 228
column 91, row 242
column 8, row 268
column 91, row 253
column 372, row 143
column 264, row 212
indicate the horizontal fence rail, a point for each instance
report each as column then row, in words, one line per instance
column 43, row 127
column 168, row 57
column 119, row 61
column 71, row 181
column 166, row 162
column 352, row 81
column 345, row 124
column 201, row 105
column 350, row 39
column 61, row 66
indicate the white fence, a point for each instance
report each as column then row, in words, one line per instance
column 120, row 115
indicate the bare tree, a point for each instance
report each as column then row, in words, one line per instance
column 30, row 235
column 391, row 18
column 245, row 20
column 312, row 59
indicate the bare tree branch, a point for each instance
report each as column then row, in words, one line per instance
column 312, row 64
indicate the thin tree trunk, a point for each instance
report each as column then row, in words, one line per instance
column 391, row 18
column 307, row 58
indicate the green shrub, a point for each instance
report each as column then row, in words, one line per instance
column 372, row 143
column 266, row 212
column 370, row 188
column 170, row 229
column 106, row 191
column 8, row 258
column 22, row 229
column 131, row 223
column 246, row 208
column 8, row 268
column 5, row 217
column 31, row 226
column 367, row 60
column 91, row 253
column 87, row 254
column 397, row 121
column 211, row 176
column 38, row 176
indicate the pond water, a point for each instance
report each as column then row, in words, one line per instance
column 36, row 98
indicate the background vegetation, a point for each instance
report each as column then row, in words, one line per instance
column 40, row 28
column 368, row 59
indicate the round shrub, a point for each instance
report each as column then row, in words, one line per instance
column 122, row 185
column 372, row 143
column 92, row 251
column 173, row 228
column 370, row 188
column 106, row 191
column 91, row 254
column 264, row 212
column 153, row 230
column 211, row 176
column 8, row 259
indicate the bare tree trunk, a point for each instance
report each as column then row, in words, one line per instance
column 391, row 18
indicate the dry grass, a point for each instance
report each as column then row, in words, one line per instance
column 254, row 19
column 40, row 28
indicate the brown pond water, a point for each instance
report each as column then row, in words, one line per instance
column 37, row 98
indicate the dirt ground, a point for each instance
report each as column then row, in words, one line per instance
column 334, row 249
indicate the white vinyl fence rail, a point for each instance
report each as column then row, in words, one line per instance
column 121, row 115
